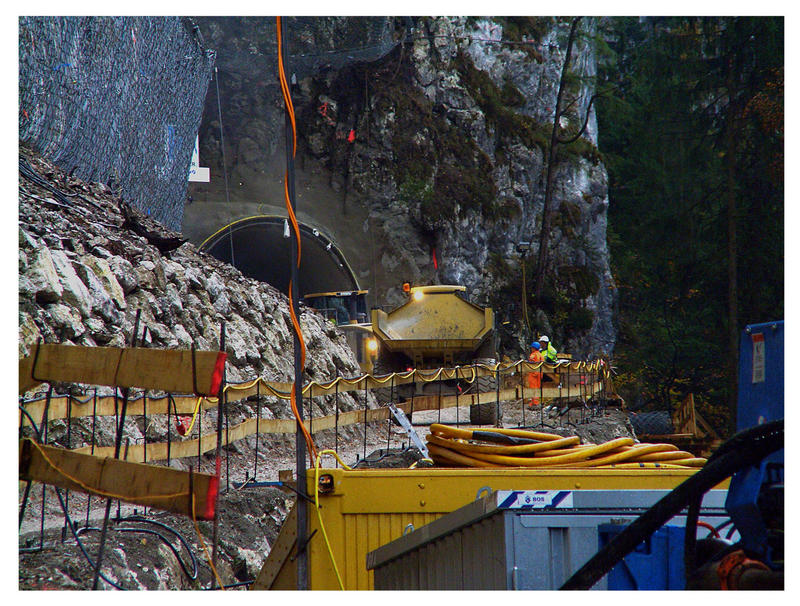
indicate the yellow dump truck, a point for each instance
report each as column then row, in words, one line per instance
column 348, row 311
column 436, row 328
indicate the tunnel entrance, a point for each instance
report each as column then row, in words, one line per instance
column 256, row 246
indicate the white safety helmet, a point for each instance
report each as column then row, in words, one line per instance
column 544, row 338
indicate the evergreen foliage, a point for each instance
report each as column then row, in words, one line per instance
column 693, row 135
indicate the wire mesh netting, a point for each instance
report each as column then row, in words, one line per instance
column 116, row 100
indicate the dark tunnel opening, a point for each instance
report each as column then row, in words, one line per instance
column 257, row 247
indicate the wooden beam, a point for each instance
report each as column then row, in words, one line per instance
column 106, row 407
column 707, row 430
column 169, row 370
column 279, row 558
column 137, row 483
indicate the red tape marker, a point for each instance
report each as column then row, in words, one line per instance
column 219, row 368
column 211, row 495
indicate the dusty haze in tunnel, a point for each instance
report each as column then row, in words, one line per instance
column 258, row 248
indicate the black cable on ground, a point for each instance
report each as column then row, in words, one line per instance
column 81, row 547
column 745, row 448
column 191, row 575
column 242, row 584
column 35, row 427
column 178, row 535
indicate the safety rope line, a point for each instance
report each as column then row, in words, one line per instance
column 426, row 376
column 597, row 367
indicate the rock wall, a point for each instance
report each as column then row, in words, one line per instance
column 116, row 100
column 87, row 267
column 444, row 173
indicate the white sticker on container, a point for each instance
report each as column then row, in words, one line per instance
column 759, row 364
column 534, row 499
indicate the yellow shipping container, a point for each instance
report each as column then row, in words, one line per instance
column 365, row 509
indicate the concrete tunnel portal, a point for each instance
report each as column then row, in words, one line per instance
column 258, row 247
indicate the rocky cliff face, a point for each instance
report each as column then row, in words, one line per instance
column 88, row 263
column 440, row 138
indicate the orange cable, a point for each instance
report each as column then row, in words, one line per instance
column 295, row 322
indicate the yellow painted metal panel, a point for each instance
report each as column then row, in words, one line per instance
column 442, row 490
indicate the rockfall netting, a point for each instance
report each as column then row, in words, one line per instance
column 116, row 100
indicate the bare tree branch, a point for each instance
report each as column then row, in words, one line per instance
column 585, row 122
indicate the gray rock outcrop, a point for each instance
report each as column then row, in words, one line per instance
column 83, row 277
column 452, row 122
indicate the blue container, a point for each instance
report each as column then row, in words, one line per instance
column 760, row 375
column 655, row 564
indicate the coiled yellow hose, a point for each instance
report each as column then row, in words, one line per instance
column 450, row 446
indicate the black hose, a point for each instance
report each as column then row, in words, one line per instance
column 744, row 449
column 723, row 525
column 36, row 429
column 177, row 534
column 80, row 544
column 191, row 575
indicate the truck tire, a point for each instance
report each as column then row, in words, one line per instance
column 487, row 412
column 657, row 423
column 483, row 414
column 384, row 394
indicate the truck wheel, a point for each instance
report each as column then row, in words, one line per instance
column 483, row 414
column 383, row 394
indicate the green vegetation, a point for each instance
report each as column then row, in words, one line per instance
column 693, row 142
column 526, row 28
column 436, row 165
column 495, row 104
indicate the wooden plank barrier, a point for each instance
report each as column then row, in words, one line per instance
column 183, row 404
column 60, row 407
column 169, row 370
column 137, row 483
column 190, row 447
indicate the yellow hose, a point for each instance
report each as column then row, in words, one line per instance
column 450, row 446
column 500, row 450
column 439, row 454
column 619, row 457
column 533, row 462
column 466, row 434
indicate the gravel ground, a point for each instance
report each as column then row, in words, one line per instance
column 250, row 517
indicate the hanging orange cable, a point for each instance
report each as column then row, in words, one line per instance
column 287, row 98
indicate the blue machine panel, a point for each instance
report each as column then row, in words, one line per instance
column 760, row 375
column 655, row 564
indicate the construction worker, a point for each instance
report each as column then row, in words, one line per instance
column 534, row 379
column 548, row 351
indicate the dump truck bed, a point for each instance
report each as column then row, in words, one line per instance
column 433, row 323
